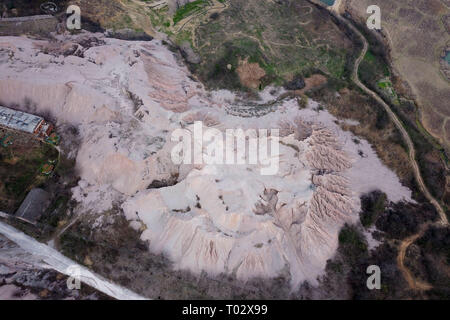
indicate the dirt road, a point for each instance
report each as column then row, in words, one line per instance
column 400, row 127
column 443, row 221
column 413, row 283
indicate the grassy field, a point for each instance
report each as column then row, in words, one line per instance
column 188, row 9
column 20, row 167
column 284, row 39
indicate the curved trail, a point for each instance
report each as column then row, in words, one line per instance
column 412, row 282
column 399, row 125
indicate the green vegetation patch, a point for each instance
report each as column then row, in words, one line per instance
column 374, row 69
column 160, row 20
column 435, row 248
column 284, row 39
column 372, row 205
column 20, row 167
column 233, row 52
column 384, row 84
column 386, row 88
column 188, row 9
column 352, row 243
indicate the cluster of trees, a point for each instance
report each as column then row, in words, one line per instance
column 397, row 220
column 435, row 258
column 352, row 260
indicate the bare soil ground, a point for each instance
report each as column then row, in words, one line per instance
column 373, row 125
column 250, row 74
column 416, row 33
column 284, row 38
column 313, row 82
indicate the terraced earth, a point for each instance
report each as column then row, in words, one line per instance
column 284, row 38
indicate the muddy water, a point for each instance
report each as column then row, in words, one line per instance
column 328, row 2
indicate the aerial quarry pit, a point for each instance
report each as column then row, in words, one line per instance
column 141, row 225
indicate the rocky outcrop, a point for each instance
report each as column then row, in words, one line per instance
column 233, row 220
column 127, row 98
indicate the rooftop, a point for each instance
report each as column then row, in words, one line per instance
column 34, row 205
column 18, row 120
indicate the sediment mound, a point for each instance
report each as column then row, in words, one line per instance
column 127, row 98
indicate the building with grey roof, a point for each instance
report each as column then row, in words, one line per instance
column 18, row 120
column 34, row 205
column 25, row 122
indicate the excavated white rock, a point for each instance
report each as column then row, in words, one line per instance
column 126, row 98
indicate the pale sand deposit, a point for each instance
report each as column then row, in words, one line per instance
column 126, row 98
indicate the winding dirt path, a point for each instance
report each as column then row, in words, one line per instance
column 398, row 124
column 443, row 221
column 413, row 283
